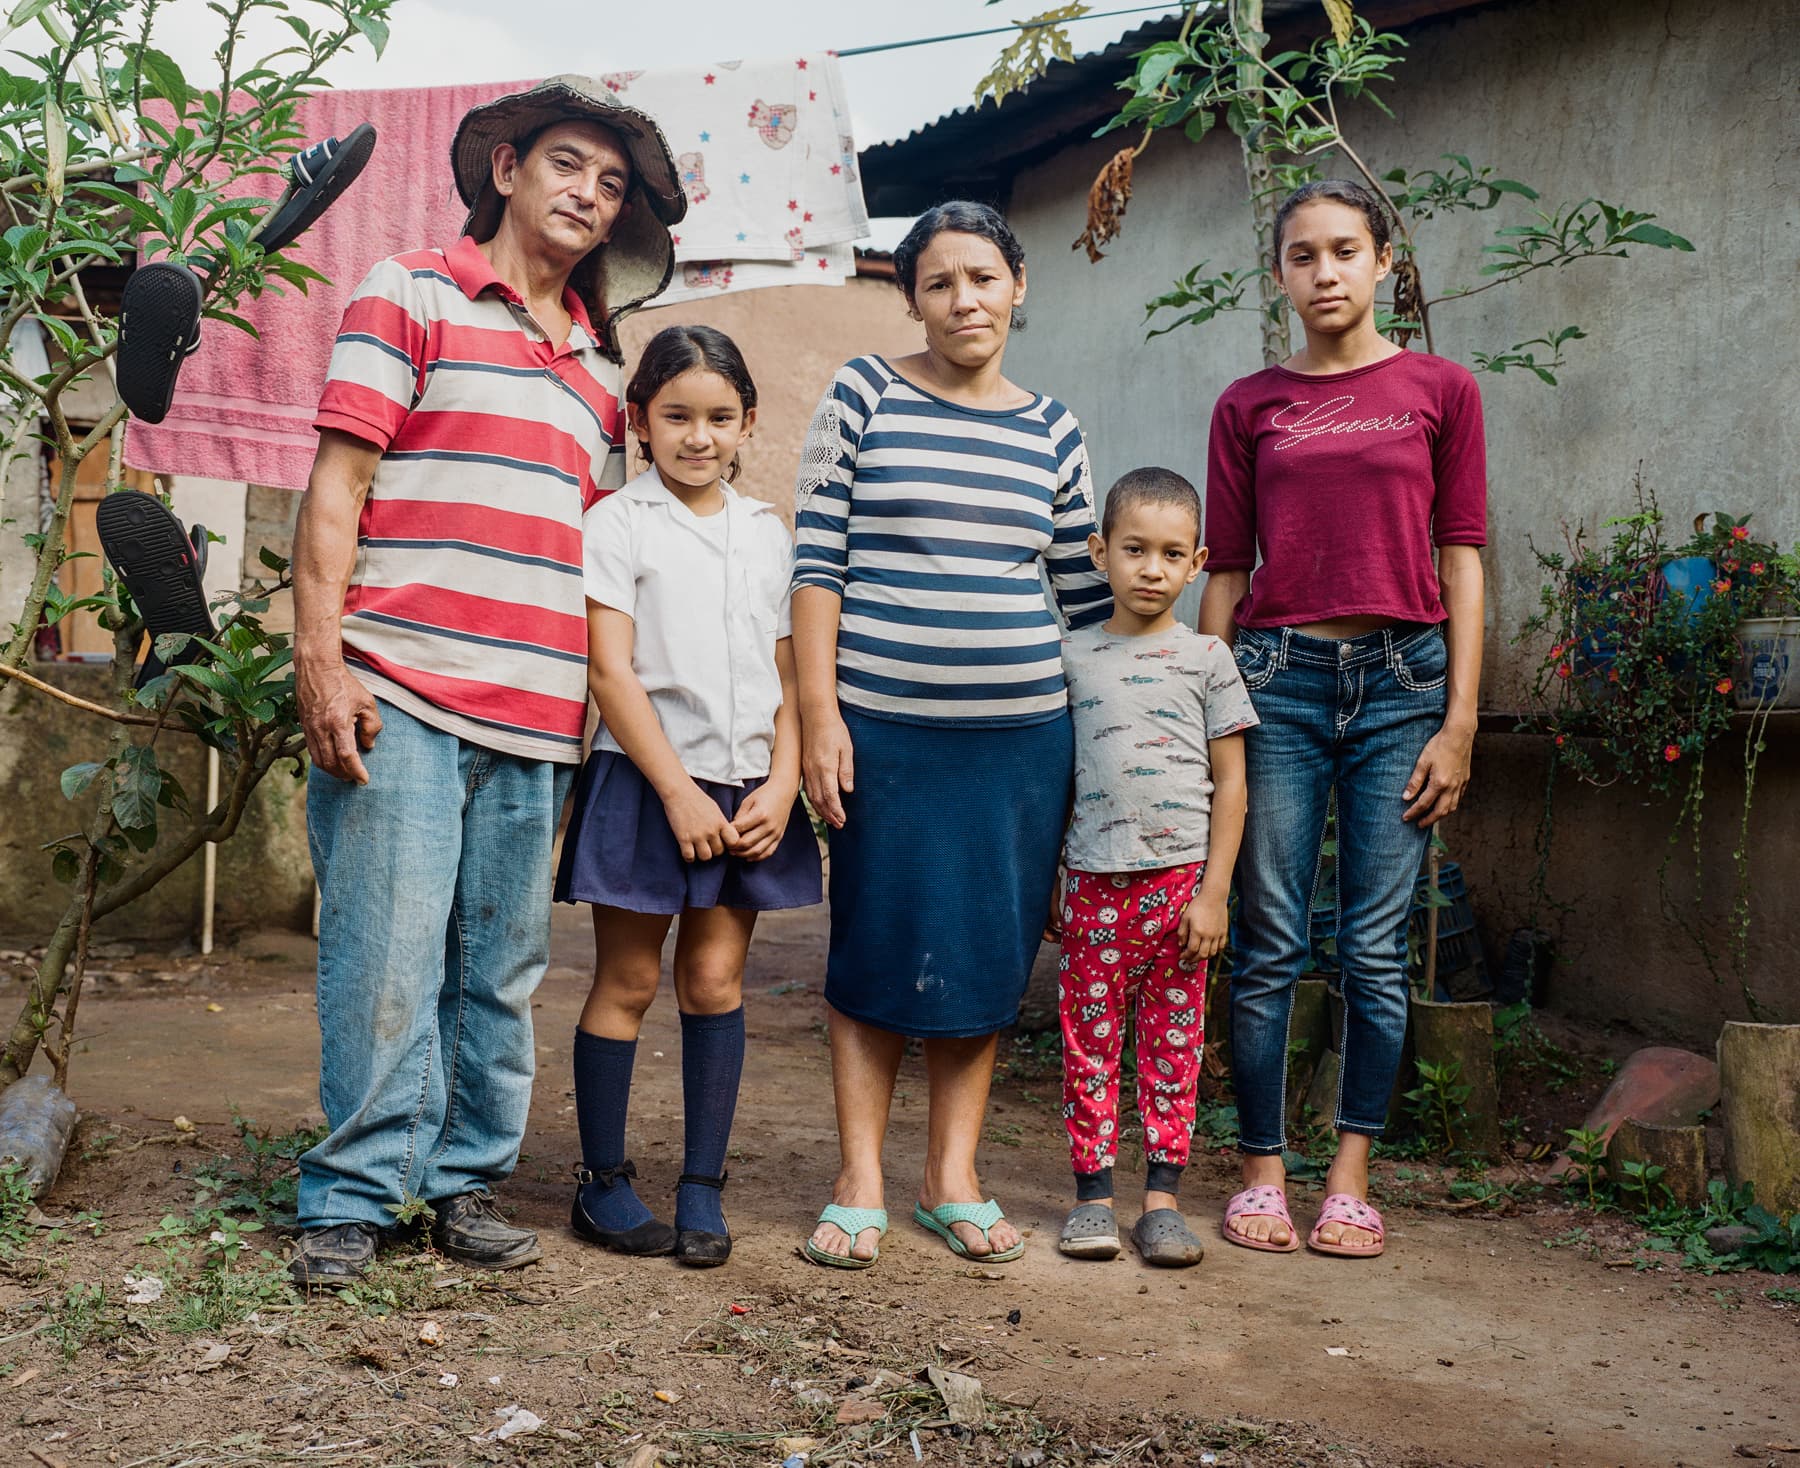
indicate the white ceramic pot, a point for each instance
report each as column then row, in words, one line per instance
column 1768, row 669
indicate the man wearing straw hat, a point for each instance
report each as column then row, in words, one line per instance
column 471, row 414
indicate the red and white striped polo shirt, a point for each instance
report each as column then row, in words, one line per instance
column 465, row 607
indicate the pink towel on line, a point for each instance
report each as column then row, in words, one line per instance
column 244, row 409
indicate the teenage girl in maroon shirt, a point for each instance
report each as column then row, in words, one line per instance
column 1330, row 480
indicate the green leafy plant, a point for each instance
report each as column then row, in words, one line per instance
column 1638, row 682
column 110, row 148
column 16, row 1229
column 83, row 1316
column 1494, row 1197
column 1587, row 1164
column 264, row 1180
column 411, row 1210
column 1641, row 1186
column 1439, row 1103
column 1773, row 1244
column 1288, row 111
column 1521, row 1048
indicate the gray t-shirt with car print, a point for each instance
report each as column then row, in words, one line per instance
column 1144, row 709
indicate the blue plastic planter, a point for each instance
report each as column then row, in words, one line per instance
column 1690, row 578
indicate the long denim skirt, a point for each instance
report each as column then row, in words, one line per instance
column 941, row 876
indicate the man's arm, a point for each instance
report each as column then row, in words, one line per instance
column 336, row 711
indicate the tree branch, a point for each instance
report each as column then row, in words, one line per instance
column 24, row 181
column 50, row 690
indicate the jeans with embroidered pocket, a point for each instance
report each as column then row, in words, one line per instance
column 434, row 931
column 1350, row 716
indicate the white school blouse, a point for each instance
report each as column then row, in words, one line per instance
column 709, row 599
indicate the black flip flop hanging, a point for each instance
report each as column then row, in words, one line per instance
column 161, row 565
column 159, row 317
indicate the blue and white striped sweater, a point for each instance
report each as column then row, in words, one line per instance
column 932, row 521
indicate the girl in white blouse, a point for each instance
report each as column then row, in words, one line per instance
column 689, row 803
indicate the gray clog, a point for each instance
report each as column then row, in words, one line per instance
column 1090, row 1232
column 1163, row 1238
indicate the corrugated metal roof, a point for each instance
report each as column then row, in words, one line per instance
column 975, row 152
column 960, row 154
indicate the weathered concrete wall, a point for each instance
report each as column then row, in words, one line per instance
column 793, row 338
column 264, row 878
column 1685, row 110
column 1634, row 939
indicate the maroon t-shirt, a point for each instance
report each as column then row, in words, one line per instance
column 1341, row 483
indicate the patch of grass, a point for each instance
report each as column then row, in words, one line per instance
column 222, row 1295
column 98, row 1145
column 16, row 1232
column 1491, row 1196
column 1031, row 1058
column 397, row 1285
column 1522, row 1048
column 1005, row 1134
column 1773, row 1246
column 84, row 1316
column 1216, row 1123
column 263, row 1180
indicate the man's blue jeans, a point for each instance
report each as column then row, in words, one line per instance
column 434, row 930
column 1352, row 716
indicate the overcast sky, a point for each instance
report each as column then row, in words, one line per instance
column 439, row 42
column 442, row 41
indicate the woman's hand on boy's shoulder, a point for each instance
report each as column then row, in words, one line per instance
column 1204, row 926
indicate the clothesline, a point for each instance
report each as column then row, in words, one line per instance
column 1001, row 30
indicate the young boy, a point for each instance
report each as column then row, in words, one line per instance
column 1159, row 713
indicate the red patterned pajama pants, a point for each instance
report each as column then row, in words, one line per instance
column 1121, row 934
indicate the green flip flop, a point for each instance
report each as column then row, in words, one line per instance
column 983, row 1215
column 852, row 1221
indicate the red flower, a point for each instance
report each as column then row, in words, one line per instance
column 1671, row 752
column 1721, row 586
column 1559, row 741
column 1756, row 568
column 1729, row 565
column 1740, row 532
column 1723, row 685
column 1563, row 670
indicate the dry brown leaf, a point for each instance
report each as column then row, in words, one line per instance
column 1107, row 198
column 961, row 1394
column 859, row 1409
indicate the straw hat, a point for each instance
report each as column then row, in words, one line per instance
column 637, row 262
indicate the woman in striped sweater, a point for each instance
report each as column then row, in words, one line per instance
column 936, row 730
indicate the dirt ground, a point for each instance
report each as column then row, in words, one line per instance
column 1475, row 1340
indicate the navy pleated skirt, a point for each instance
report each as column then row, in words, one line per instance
column 620, row 852
column 941, row 876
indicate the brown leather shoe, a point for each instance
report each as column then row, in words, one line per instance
column 471, row 1229
column 325, row 1258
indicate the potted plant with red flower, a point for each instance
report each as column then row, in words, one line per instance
column 1652, row 648
column 1762, row 582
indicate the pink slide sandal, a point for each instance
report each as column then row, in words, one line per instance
column 1351, row 1211
column 1267, row 1201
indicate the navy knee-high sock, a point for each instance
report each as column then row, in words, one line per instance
column 712, row 1063
column 602, row 1095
